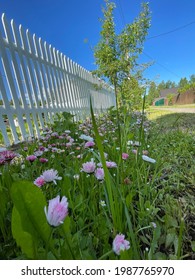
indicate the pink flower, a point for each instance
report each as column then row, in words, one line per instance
column 99, row 173
column 89, row 144
column 31, row 158
column 88, row 167
column 125, row 156
column 68, row 145
column 43, row 160
column 51, row 175
column 57, row 211
column 120, row 244
column 111, row 164
column 7, row 155
column 71, row 140
column 2, row 161
column 39, row 182
column 134, row 152
column 54, row 134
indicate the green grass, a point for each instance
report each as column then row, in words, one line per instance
column 173, row 138
column 178, row 106
column 169, row 120
column 152, row 204
column 153, row 114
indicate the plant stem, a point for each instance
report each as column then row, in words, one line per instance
column 105, row 255
column 48, row 242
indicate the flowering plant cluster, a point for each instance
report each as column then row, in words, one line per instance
column 86, row 195
column 6, row 156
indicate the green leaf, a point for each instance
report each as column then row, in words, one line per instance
column 170, row 239
column 193, row 245
column 155, row 242
column 171, row 222
column 3, row 201
column 66, row 186
column 24, row 240
column 129, row 199
column 29, row 203
column 3, row 210
column 108, row 180
column 66, row 225
column 160, row 256
column 144, row 239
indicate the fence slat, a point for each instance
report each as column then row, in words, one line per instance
column 19, row 78
column 7, row 63
column 66, row 82
column 47, row 68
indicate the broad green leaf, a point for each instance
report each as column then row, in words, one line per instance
column 29, row 202
column 23, row 239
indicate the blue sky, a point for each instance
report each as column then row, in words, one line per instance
column 66, row 24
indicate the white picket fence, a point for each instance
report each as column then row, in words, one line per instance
column 37, row 81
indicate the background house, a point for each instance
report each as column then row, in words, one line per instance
column 166, row 96
column 170, row 96
column 167, row 91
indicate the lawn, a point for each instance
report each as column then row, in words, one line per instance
column 116, row 186
column 179, row 106
column 171, row 121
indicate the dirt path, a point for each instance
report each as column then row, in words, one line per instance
column 176, row 110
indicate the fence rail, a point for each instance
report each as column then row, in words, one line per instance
column 37, row 81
